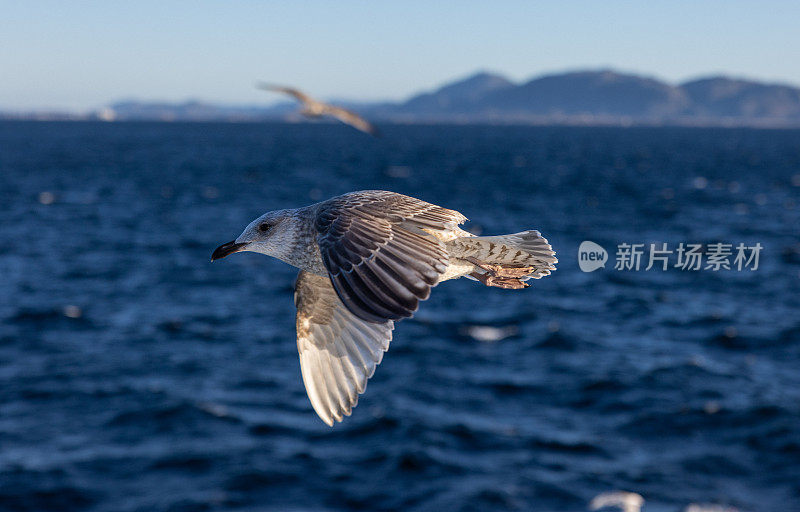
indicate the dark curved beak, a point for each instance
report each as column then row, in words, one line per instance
column 226, row 250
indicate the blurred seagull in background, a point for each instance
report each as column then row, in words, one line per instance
column 313, row 108
column 366, row 260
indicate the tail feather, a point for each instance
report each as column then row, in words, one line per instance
column 508, row 260
column 521, row 248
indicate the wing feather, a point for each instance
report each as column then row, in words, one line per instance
column 381, row 251
column 291, row 91
column 351, row 118
column 338, row 350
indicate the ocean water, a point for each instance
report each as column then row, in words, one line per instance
column 137, row 376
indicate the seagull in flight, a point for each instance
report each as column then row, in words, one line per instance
column 366, row 260
column 314, row 108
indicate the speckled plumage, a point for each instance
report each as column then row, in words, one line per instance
column 366, row 260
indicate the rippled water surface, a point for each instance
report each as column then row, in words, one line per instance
column 137, row 376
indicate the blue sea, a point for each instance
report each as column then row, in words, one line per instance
column 135, row 375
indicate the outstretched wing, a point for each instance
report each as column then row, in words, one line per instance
column 338, row 351
column 296, row 93
column 351, row 118
column 381, row 251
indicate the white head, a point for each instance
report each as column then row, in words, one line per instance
column 274, row 234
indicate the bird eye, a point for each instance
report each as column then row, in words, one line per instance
column 264, row 227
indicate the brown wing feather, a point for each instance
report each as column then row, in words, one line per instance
column 379, row 252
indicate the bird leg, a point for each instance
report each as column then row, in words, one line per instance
column 500, row 276
column 507, row 270
column 509, row 283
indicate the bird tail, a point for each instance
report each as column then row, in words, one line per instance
column 507, row 261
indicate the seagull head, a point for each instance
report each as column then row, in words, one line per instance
column 273, row 234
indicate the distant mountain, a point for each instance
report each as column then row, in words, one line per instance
column 603, row 97
column 191, row 111
column 741, row 99
column 581, row 97
column 600, row 93
column 462, row 96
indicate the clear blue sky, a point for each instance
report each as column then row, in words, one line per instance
column 82, row 54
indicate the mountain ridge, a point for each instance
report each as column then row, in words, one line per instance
column 583, row 97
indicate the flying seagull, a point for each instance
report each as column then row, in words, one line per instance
column 314, row 108
column 366, row 260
